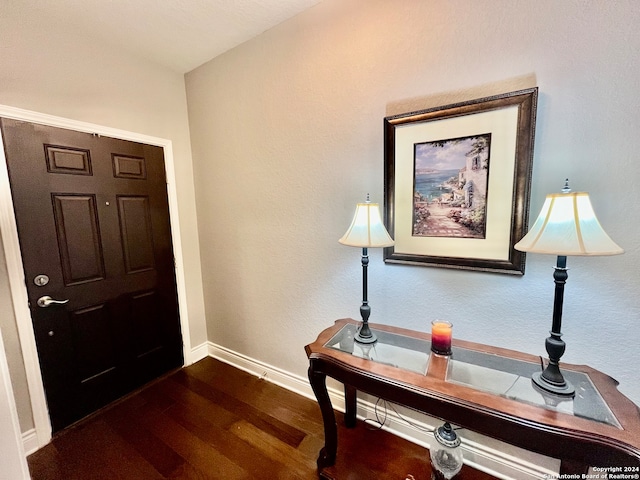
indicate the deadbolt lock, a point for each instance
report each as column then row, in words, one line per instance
column 41, row 280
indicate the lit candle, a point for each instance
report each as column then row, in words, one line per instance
column 441, row 337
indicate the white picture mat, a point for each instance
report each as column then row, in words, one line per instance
column 502, row 124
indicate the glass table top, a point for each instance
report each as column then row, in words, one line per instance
column 496, row 374
column 391, row 349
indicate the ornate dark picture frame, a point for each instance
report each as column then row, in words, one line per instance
column 493, row 136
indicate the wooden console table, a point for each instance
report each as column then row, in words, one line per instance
column 481, row 388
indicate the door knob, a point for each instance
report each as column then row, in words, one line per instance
column 47, row 301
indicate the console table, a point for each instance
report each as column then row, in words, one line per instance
column 482, row 388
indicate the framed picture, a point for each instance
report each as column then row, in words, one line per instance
column 457, row 181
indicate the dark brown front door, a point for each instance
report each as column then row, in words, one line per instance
column 93, row 221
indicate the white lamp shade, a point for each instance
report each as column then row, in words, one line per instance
column 367, row 229
column 567, row 225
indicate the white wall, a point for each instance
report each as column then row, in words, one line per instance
column 52, row 70
column 287, row 137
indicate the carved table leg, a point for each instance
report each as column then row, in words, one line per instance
column 350, row 406
column 327, row 455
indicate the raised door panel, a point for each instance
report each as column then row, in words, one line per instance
column 126, row 166
column 136, row 233
column 68, row 160
column 145, row 316
column 78, row 235
column 95, row 347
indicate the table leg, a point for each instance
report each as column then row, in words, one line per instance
column 350, row 399
column 327, row 455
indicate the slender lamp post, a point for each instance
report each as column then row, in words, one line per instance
column 566, row 225
column 366, row 231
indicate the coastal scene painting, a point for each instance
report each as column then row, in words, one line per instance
column 450, row 187
column 457, row 181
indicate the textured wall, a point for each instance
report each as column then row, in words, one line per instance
column 287, row 137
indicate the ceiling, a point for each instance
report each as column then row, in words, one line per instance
column 178, row 34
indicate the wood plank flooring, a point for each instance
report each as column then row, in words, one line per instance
column 213, row 421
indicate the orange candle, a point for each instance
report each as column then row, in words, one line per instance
column 441, row 337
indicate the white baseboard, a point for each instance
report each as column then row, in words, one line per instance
column 30, row 441
column 197, row 354
column 482, row 453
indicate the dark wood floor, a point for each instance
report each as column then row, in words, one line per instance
column 212, row 421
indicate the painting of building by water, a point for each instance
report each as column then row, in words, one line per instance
column 450, row 187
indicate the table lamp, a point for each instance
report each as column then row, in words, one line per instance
column 566, row 225
column 366, row 231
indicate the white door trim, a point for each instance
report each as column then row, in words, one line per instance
column 13, row 455
column 15, row 268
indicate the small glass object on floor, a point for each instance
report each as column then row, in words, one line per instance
column 446, row 455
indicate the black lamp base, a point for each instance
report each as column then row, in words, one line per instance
column 551, row 379
column 564, row 389
column 365, row 335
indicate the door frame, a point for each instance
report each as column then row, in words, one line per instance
column 15, row 269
